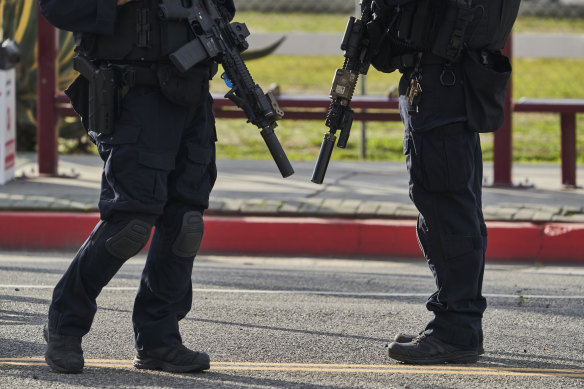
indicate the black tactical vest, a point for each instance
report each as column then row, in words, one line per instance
column 446, row 27
column 139, row 35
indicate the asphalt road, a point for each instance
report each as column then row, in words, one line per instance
column 303, row 323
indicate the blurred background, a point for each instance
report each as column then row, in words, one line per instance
column 548, row 62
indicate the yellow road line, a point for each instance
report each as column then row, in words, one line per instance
column 337, row 368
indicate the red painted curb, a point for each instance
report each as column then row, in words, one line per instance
column 311, row 236
column 45, row 231
column 552, row 242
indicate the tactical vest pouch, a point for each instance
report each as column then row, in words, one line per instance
column 485, row 86
column 450, row 38
column 417, row 25
column 188, row 89
column 447, row 27
column 492, row 23
column 140, row 36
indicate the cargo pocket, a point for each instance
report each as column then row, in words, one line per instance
column 446, row 160
column 156, row 168
column 204, row 161
column 463, row 262
column 412, row 149
column 198, row 155
column 434, row 165
column 455, row 246
column 123, row 134
column 108, row 148
column 196, row 175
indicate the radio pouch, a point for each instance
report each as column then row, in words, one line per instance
column 485, row 86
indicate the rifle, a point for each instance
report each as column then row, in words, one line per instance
column 340, row 115
column 219, row 39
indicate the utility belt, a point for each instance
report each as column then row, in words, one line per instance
column 410, row 60
column 98, row 93
column 106, row 85
column 485, row 77
column 137, row 74
column 127, row 74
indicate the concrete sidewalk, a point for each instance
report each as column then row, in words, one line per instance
column 351, row 189
column 356, row 193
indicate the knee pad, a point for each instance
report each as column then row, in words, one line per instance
column 130, row 240
column 189, row 238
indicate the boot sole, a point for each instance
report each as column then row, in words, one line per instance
column 155, row 364
column 460, row 357
column 408, row 338
column 58, row 369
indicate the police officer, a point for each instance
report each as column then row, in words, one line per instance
column 452, row 87
column 159, row 169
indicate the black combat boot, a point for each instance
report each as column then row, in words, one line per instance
column 174, row 359
column 406, row 338
column 427, row 349
column 64, row 353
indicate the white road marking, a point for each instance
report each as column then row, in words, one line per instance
column 315, row 292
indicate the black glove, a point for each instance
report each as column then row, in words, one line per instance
column 227, row 8
column 379, row 46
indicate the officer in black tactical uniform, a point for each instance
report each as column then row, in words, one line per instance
column 159, row 169
column 453, row 87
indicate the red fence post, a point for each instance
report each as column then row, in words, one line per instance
column 46, row 89
column 568, row 136
column 502, row 147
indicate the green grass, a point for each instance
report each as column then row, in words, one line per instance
column 547, row 77
column 306, row 74
column 287, row 22
column 535, row 136
column 536, row 139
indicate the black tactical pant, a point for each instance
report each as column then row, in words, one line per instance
column 159, row 163
column 445, row 169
